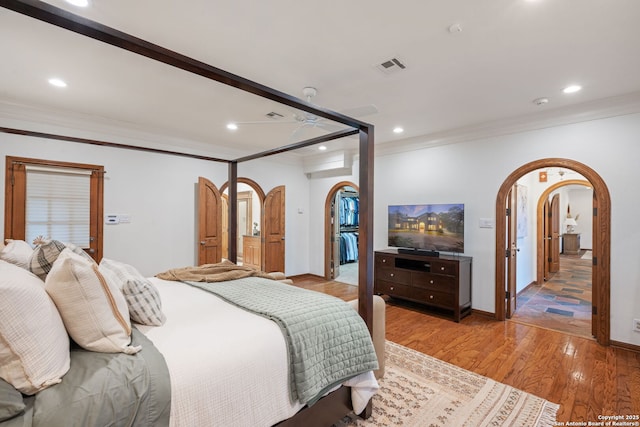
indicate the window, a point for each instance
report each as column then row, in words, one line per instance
column 57, row 200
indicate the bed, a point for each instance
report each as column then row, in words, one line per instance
column 333, row 405
column 206, row 355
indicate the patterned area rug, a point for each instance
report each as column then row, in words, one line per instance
column 419, row 390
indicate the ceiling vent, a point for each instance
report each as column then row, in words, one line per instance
column 391, row 66
column 274, row 116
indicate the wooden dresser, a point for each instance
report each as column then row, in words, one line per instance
column 571, row 243
column 251, row 251
column 440, row 282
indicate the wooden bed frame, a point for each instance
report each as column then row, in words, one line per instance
column 337, row 404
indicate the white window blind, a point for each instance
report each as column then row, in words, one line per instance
column 58, row 204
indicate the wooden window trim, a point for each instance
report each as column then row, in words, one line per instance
column 15, row 199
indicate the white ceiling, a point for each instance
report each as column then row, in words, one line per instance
column 508, row 53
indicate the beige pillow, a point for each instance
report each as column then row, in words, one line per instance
column 46, row 253
column 34, row 345
column 93, row 310
column 17, row 252
column 143, row 299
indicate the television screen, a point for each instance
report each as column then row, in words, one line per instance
column 438, row 227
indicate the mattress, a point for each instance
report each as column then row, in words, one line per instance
column 227, row 365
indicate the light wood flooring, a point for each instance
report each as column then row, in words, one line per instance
column 586, row 379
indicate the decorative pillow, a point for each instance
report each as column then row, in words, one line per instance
column 46, row 253
column 143, row 299
column 11, row 402
column 34, row 345
column 17, row 252
column 93, row 310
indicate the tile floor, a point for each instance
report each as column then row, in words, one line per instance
column 563, row 302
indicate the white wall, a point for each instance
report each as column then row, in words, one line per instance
column 472, row 173
column 526, row 243
column 581, row 202
column 159, row 192
column 319, row 190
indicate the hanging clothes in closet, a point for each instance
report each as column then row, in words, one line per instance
column 349, row 214
column 349, row 210
column 348, row 247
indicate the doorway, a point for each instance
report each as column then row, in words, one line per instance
column 560, row 297
column 341, row 233
column 250, row 201
column 601, row 228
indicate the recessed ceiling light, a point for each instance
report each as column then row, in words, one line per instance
column 398, row 129
column 572, row 89
column 232, row 126
column 57, row 82
column 322, row 147
column 79, row 3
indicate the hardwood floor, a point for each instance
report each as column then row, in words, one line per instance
column 586, row 379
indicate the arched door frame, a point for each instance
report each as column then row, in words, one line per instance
column 540, row 231
column 327, row 223
column 259, row 192
column 601, row 270
column 251, row 183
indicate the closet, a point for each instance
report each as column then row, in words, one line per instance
column 345, row 233
column 348, row 220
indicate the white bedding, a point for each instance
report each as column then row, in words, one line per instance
column 227, row 366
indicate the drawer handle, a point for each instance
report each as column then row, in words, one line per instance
column 384, row 260
column 442, row 268
column 430, row 296
column 391, row 274
column 431, row 281
column 391, row 288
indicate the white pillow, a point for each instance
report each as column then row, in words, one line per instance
column 143, row 299
column 17, row 252
column 93, row 310
column 34, row 345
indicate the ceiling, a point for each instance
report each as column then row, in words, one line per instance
column 467, row 63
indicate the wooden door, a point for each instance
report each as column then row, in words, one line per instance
column 546, row 236
column 511, row 250
column 335, row 237
column 596, row 289
column 273, row 230
column 209, row 223
column 225, row 226
column 554, row 220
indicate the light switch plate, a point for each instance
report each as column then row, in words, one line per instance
column 486, row 223
column 111, row 219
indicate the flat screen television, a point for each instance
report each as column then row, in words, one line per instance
column 427, row 228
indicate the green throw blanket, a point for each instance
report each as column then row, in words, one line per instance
column 328, row 341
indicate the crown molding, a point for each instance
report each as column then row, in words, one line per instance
column 593, row 110
column 79, row 125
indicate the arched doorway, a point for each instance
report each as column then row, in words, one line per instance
column 540, row 250
column 250, row 212
column 601, row 271
column 332, row 229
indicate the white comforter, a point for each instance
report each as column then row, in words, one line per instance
column 227, row 366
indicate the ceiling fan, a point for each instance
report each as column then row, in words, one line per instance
column 306, row 120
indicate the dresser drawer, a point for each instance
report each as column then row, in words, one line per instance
column 447, row 268
column 442, row 299
column 436, row 282
column 382, row 260
column 393, row 275
column 392, row 289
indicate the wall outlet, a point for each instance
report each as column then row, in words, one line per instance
column 636, row 325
